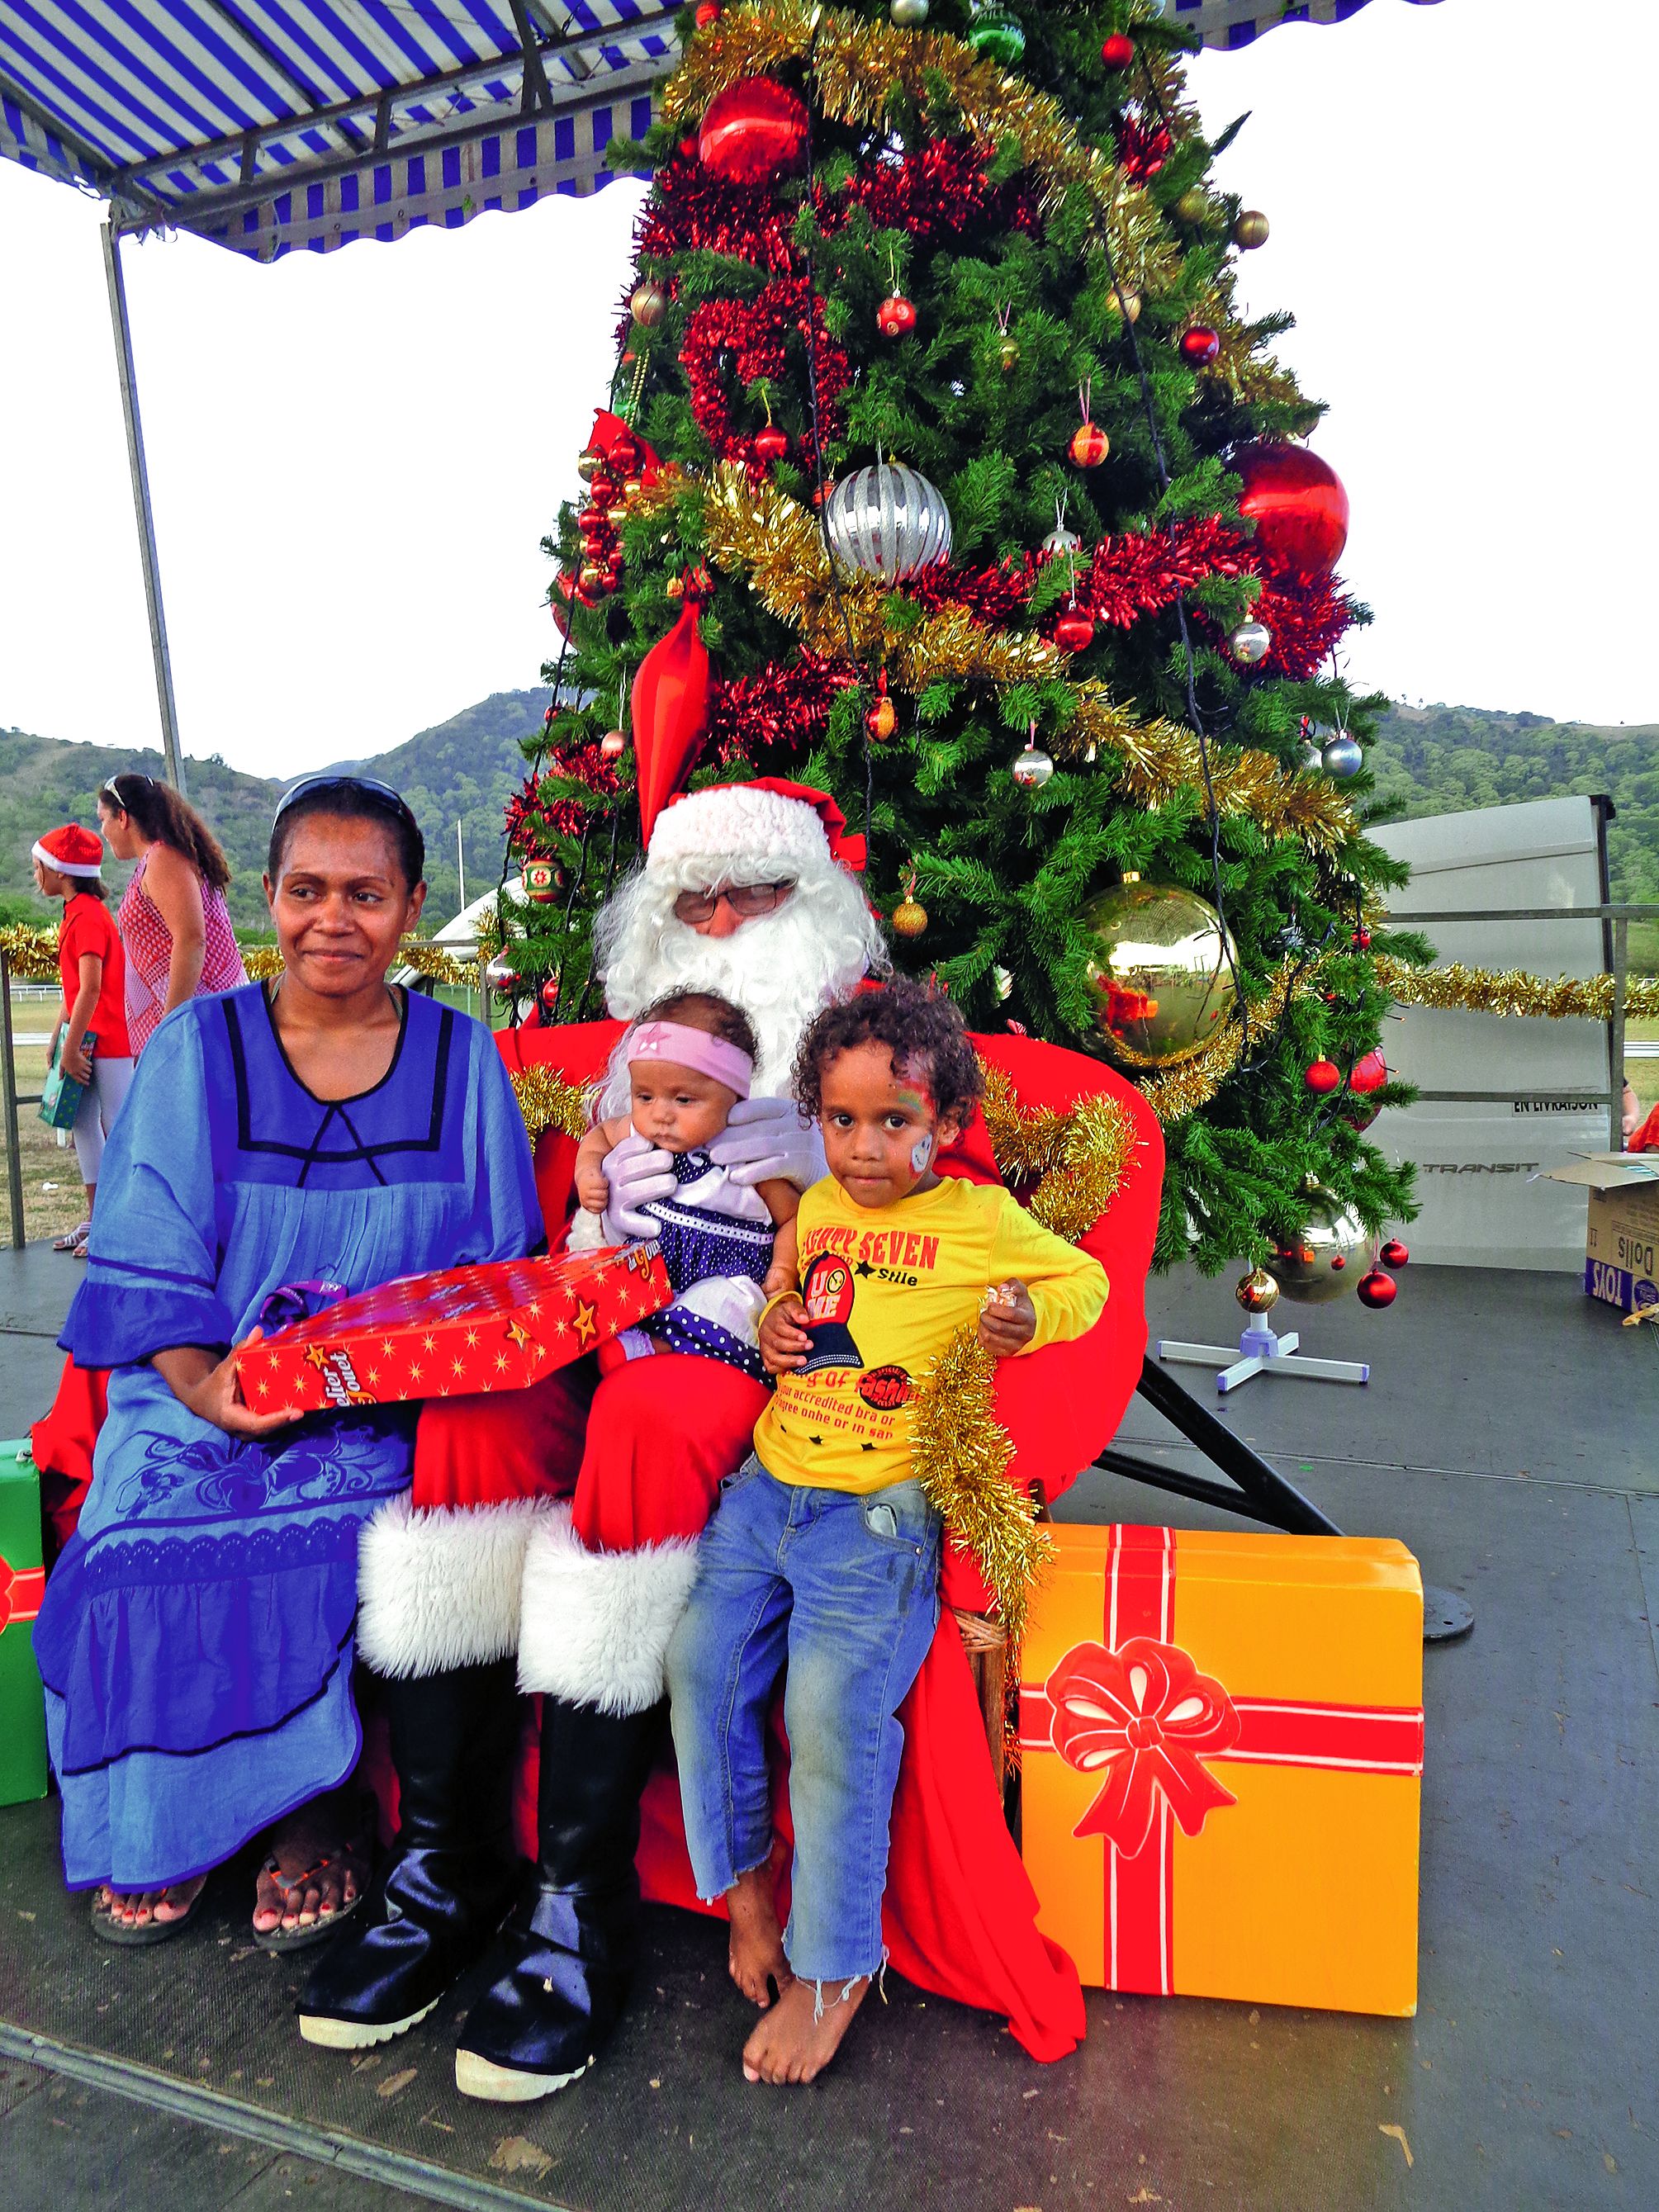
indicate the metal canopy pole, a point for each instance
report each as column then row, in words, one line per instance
column 158, row 621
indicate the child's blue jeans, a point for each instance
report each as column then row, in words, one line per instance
column 845, row 1589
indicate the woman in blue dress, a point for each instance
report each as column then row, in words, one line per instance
column 326, row 1130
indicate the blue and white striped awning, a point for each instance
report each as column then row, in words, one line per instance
column 265, row 124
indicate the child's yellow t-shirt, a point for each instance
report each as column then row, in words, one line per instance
column 885, row 1288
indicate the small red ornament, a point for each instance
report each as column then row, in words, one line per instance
column 549, row 995
column 1369, row 1073
column 1118, row 51
column 1338, row 1261
column 1323, row 1076
column 688, row 150
column 1074, row 629
column 1089, row 444
column 1377, row 1290
column 881, row 720
column 1362, row 940
column 707, row 12
column 1200, row 344
column 896, row 318
column 754, row 132
column 1297, row 504
column 540, row 879
column 1394, row 1254
column 602, row 490
column 771, row 444
column 547, row 719
column 613, row 745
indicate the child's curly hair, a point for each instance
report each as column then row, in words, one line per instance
column 706, row 1011
column 922, row 1029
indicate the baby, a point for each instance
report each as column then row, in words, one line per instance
column 690, row 1057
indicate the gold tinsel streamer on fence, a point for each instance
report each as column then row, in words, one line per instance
column 860, row 67
column 1513, row 991
column 962, row 1453
column 32, row 955
column 548, row 1101
column 762, row 530
column 1076, row 1159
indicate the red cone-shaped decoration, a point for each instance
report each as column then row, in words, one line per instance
column 1297, row 504
column 670, row 713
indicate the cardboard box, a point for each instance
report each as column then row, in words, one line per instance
column 22, row 1586
column 1621, row 1245
column 499, row 1325
column 1222, row 1742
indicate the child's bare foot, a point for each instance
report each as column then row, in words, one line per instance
column 790, row 2044
column 756, row 1952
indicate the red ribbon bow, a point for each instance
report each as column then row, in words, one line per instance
column 1146, row 1716
column 22, row 1590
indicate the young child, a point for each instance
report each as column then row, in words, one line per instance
column 824, row 1549
column 69, row 865
column 690, row 1057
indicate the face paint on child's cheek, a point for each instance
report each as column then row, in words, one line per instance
column 920, row 1153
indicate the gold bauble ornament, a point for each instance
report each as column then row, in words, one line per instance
column 1257, row 1292
column 590, row 576
column 1334, row 1250
column 1125, row 301
column 1193, row 205
column 1250, row 229
column 1160, row 970
column 910, row 918
column 648, row 303
column 1008, row 355
column 590, row 464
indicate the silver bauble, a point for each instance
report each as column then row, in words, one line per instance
column 1061, row 541
column 888, row 521
column 908, row 14
column 1032, row 768
column 1329, row 1256
column 1250, row 642
column 1308, row 756
column 1160, row 972
column 1341, row 758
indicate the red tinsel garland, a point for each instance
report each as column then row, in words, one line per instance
column 1304, row 620
column 1142, row 148
column 692, row 212
column 756, row 333
column 784, row 706
column 991, row 596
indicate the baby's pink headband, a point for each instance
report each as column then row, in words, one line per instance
column 688, row 1048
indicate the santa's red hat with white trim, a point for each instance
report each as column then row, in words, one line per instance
column 71, row 850
column 765, row 822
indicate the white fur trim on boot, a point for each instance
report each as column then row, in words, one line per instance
column 441, row 1588
column 596, row 1625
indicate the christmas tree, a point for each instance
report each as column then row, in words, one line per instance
column 941, row 472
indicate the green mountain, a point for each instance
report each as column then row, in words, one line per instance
column 461, row 771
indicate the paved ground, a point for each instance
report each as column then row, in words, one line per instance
column 1510, row 1435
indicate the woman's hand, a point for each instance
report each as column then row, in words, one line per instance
column 1008, row 1319
column 209, row 1389
column 784, row 1342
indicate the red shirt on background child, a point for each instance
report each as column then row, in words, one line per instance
column 88, row 927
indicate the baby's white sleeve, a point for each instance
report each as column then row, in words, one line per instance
column 733, row 1303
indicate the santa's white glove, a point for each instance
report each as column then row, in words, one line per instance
column 765, row 1140
column 637, row 1174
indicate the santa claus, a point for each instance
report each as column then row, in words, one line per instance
column 548, row 1541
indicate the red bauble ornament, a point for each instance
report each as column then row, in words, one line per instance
column 771, row 444
column 707, row 12
column 1323, row 1076
column 1118, row 51
column 549, row 995
column 1074, row 629
column 881, row 720
column 1362, row 940
column 1200, row 344
column 896, row 318
column 1394, row 1254
column 613, row 745
column 1089, row 444
column 1297, row 504
column 671, row 694
column 1377, row 1290
column 754, row 132
column 1369, row 1073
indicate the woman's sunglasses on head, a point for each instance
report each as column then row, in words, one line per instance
column 369, row 787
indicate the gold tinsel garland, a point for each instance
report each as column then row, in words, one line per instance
column 1513, row 991
column 1077, row 1157
column 32, row 955
column 961, row 1453
column 778, row 542
column 548, row 1101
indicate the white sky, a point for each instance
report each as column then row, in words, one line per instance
column 352, row 456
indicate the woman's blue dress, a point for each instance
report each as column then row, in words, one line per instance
column 195, row 1640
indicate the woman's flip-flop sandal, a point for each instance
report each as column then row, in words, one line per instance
column 72, row 1238
column 299, row 1939
column 134, row 1934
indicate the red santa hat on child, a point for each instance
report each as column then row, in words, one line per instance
column 71, row 850
column 742, row 827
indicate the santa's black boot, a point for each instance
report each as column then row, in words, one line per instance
column 566, row 1956
column 433, row 1910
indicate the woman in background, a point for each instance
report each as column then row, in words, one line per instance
column 92, row 1022
column 173, row 918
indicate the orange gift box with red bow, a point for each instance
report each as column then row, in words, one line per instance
column 500, row 1325
column 1222, row 1757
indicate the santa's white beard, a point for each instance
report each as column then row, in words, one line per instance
column 782, row 968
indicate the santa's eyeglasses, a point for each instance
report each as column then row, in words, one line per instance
column 745, row 900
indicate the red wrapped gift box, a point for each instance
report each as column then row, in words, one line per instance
column 499, row 1325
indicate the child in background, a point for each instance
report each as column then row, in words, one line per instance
column 69, row 865
column 824, row 1549
column 690, row 1057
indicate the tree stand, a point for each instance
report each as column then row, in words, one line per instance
column 1262, row 1352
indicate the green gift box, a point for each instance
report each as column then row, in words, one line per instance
column 60, row 1094
column 22, row 1586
